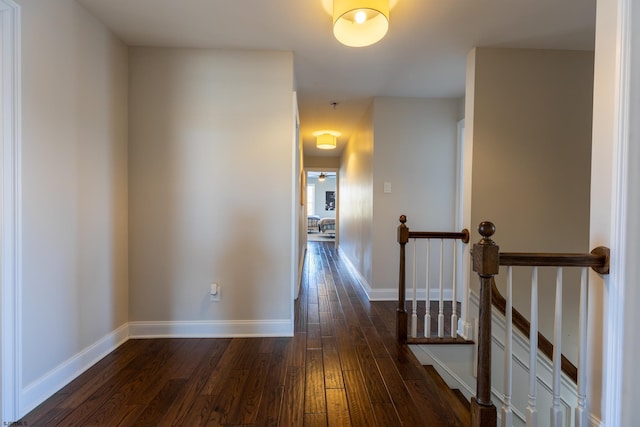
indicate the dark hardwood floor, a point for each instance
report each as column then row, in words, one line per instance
column 342, row 367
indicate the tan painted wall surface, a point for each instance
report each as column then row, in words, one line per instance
column 74, row 165
column 531, row 131
column 414, row 151
column 206, row 127
column 355, row 198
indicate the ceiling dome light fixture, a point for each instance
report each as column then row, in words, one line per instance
column 326, row 139
column 359, row 23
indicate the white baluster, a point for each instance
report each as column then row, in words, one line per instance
column 414, row 307
column 454, row 296
column 581, row 409
column 427, row 302
column 441, row 300
column 556, row 412
column 507, row 412
column 532, row 411
column 466, row 326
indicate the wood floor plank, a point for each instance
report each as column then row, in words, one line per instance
column 405, row 406
column 314, row 336
column 332, row 366
column 246, row 412
column 313, row 314
column 82, row 388
column 199, row 411
column 358, row 399
column 326, row 324
column 429, row 399
column 315, row 420
column 337, row 408
column 157, row 407
column 314, row 394
column 298, row 350
column 197, row 381
column 107, row 412
column 292, row 409
column 222, row 368
column 273, row 392
column 197, row 351
column 79, row 415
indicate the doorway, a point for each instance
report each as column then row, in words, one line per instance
column 322, row 205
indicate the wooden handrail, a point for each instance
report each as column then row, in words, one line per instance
column 598, row 259
column 403, row 238
column 462, row 235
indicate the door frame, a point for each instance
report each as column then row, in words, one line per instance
column 10, row 220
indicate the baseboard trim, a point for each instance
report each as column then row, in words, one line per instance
column 45, row 386
column 389, row 294
column 212, row 329
column 366, row 287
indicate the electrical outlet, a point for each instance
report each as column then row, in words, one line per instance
column 214, row 293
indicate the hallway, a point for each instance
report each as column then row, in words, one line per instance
column 342, row 367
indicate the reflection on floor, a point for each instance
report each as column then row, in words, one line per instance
column 320, row 237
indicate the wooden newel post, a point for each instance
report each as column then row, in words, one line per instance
column 486, row 262
column 401, row 313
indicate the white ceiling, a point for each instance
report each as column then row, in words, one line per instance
column 423, row 55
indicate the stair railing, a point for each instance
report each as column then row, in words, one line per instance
column 459, row 241
column 487, row 259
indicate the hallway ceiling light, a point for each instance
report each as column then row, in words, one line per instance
column 326, row 139
column 322, row 177
column 359, row 23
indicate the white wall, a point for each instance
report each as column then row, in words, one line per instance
column 206, row 126
column 74, row 194
column 356, row 198
column 415, row 151
column 531, row 135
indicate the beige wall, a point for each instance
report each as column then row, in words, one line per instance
column 531, row 136
column 206, row 126
column 532, row 147
column 410, row 143
column 320, row 162
column 415, row 151
column 74, row 184
column 355, row 198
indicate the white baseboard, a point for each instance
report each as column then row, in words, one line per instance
column 359, row 277
column 390, row 294
column 301, row 261
column 212, row 329
column 45, row 386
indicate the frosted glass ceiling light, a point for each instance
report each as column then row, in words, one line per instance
column 326, row 139
column 359, row 23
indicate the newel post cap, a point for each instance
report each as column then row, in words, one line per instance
column 486, row 254
column 403, row 230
